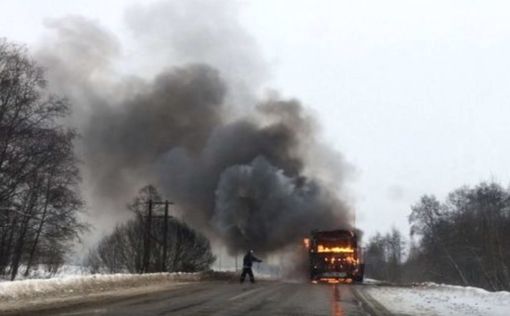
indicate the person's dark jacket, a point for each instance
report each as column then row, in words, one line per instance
column 248, row 260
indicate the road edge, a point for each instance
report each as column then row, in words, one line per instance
column 45, row 305
column 369, row 304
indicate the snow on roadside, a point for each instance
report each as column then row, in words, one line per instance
column 80, row 285
column 439, row 299
column 371, row 281
column 41, row 272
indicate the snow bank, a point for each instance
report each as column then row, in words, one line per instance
column 41, row 272
column 439, row 299
column 81, row 285
column 372, row 281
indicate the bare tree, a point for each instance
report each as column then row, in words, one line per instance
column 462, row 240
column 39, row 202
column 384, row 256
column 123, row 250
column 427, row 218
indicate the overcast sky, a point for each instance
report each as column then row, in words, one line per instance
column 414, row 93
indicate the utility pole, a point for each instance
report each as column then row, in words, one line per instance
column 165, row 238
column 147, row 250
column 149, row 236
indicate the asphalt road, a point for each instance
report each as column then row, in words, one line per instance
column 222, row 298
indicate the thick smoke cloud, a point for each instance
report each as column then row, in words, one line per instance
column 249, row 183
column 257, row 206
column 199, row 31
column 179, row 109
column 252, row 173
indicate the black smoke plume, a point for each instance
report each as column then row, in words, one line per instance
column 252, row 173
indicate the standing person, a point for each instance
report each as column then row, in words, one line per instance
column 248, row 260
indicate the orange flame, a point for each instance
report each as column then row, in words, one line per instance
column 306, row 242
column 321, row 248
column 330, row 280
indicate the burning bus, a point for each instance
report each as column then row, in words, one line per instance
column 334, row 255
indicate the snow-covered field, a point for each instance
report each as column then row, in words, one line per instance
column 22, row 295
column 438, row 299
column 73, row 285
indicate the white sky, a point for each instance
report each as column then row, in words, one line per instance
column 414, row 93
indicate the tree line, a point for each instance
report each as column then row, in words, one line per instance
column 39, row 199
column 462, row 240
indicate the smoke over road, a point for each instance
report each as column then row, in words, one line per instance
column 253, row 173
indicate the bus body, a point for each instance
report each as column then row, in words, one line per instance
column 335, row 255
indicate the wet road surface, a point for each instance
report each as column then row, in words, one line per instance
column 221, row 299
